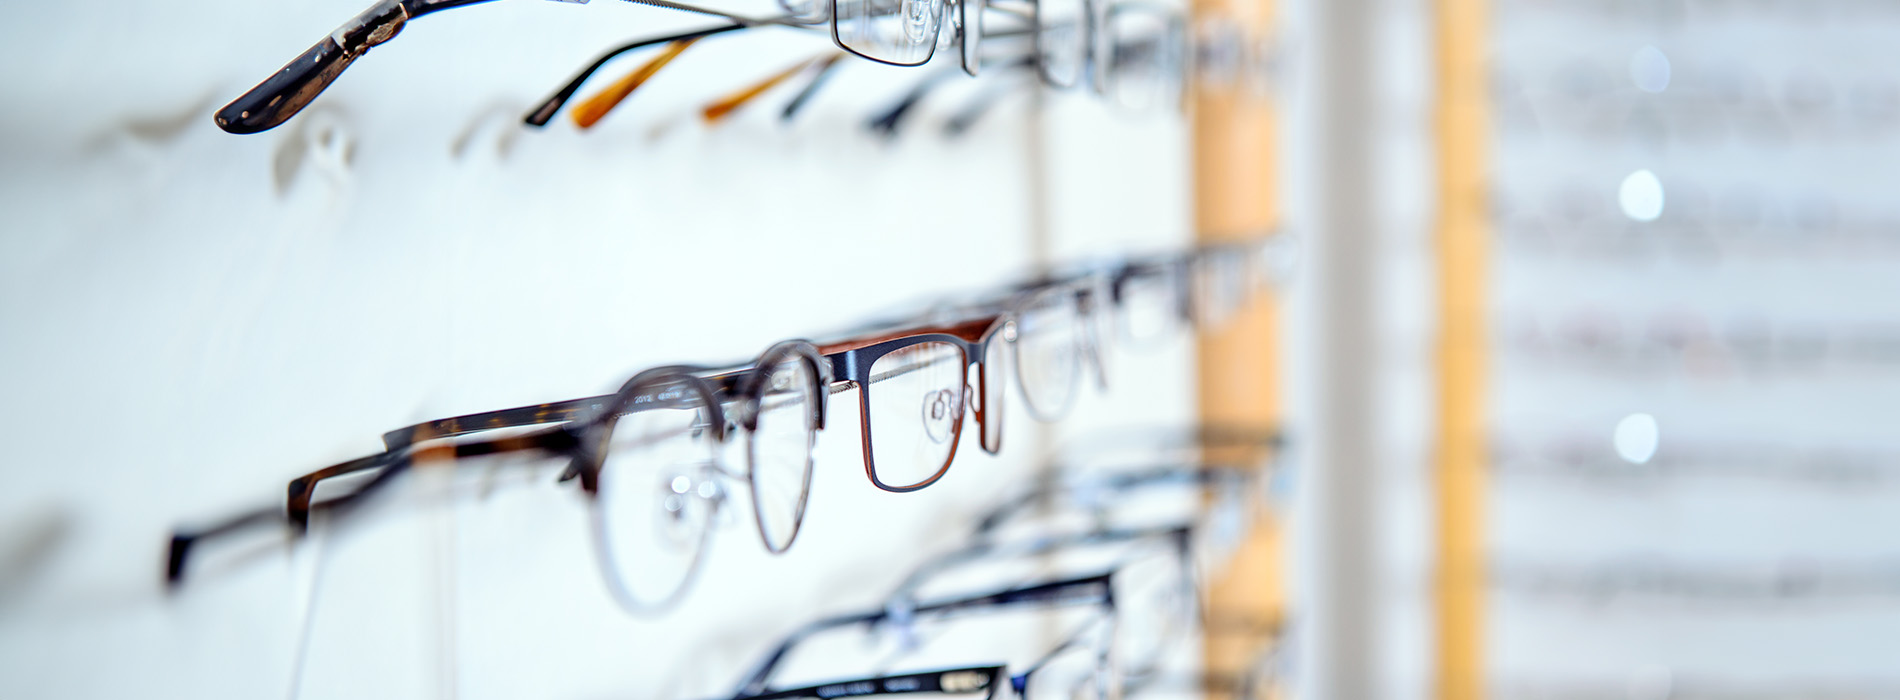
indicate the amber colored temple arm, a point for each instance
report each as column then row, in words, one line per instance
column 544, row 113
column 720, row 108
column 590, row 111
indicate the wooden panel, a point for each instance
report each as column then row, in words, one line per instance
column 1236, row 195
column 1462, row 132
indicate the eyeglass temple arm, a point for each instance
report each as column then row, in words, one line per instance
column 1114, row 483
column 887, row 121
column 295, row 519
column 900, row 599
column 817, row 82
column 294, row 86
column 591, row 110
column 541, row 115
column 949, row 680
column 979, row 105
column 1052, row 592
column 818, row 65
column 182, row 540
column 538, row 414
column 298, row 506
column 544, row 113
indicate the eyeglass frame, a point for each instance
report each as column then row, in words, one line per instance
column 901, row 606
column 1096, row 590
column 292, row 88
column 852, row 361
column 588, row 423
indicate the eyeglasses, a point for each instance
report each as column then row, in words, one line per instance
column 591, row 110
column 283, row 95
column 914, row 383
column 648, row 458
column 1222, row 500
column 898, row 32
column 1155, row 297
column 1137, row 52
column 971, row 681
column 1139, row 62
column 1154, row 584
column 1079, row 667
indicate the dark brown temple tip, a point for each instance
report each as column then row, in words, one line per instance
column 281, row 97
column 175, row 559
column 183, row 541
column 276, row 100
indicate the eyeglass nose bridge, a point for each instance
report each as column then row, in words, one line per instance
column 701, row 480
column 940, row 421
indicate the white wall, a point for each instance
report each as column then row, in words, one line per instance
column 191, row 318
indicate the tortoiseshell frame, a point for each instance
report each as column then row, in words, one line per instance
column 851, row 361
column 588, row 422
column 741, row 389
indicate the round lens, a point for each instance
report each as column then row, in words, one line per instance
column 781, row 451
column 1061, row 40
column 656, row 492
column 1048, row 351
column 903, row 32
column 914, row 412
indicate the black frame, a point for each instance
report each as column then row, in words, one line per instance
column 948, row 680
column 1179, row 538
column 969, row 37
column 1088, row 590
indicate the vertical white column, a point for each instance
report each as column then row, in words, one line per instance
column 1334, row 153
